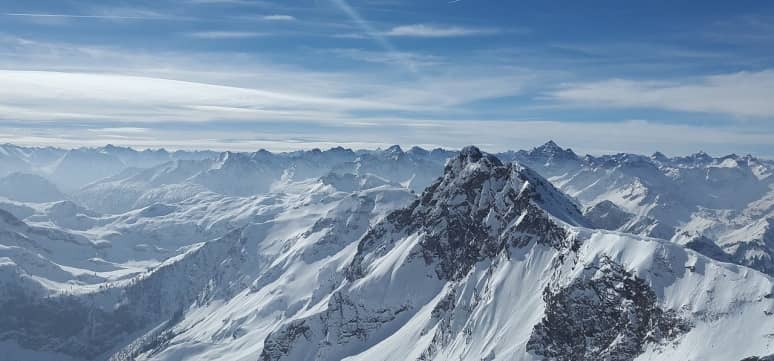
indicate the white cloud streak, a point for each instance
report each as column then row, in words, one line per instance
column 279, row 17
column 227, row 34
column 435, row 31
column 42, row 95
column 742, row 94
column 118, row 14
column 417, row 60
column 80, row 16
column 442, row 89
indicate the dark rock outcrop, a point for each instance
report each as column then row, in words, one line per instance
column 609, row 314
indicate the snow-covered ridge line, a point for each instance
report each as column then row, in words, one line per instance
column 336, row 258
column 439, row 280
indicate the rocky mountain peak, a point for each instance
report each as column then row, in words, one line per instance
column 395, row 149
column 476, row 210
column 551, row 151
column 551, row 145
column 659, row 157
column 470, row 158
column 702, row 156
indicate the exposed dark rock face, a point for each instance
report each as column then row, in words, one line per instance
column 609, row 314
column 443, row 314
column 708, row 248
column 757, row 254
column 607, row 215
column 344, row 321
column 474, row 212
column 756, row 358
column 280, row 342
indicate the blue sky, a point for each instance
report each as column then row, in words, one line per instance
column 247, row 74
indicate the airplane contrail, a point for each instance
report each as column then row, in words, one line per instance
column 373, row 33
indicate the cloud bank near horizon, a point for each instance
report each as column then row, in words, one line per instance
column 243, row 74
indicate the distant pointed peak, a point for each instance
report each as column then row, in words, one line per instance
column 418, row 150
column 659, row 157
column 261, row 154
column 550, row 144
column 394, row 149
column 226, row 156
column 551, row 149
column 701, row 156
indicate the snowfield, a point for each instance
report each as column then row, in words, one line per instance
column 115, row 254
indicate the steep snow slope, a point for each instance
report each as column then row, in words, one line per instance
column 479, row 268
column 694, row 200
column 113, row 269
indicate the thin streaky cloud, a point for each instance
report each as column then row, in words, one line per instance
column 417, row 59
column 434, row 31
column 232, row 2
column 75, row 16
column 279, row 17
column 742, row 94
column 227, row 34
column 368, row 29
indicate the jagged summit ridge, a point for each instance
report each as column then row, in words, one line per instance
column 478, row 208
column 440, row 279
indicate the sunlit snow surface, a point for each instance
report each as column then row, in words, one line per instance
column 207, row 256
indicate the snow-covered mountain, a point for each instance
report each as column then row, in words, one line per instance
column 71, row 169
column 723, row 206
column 391, row 255
column 248, row 174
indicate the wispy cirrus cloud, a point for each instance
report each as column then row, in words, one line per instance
column 100, row 14
column 279, row 17
column 45, row 95
column 437, row 31
column 742, row 94
column 227, row 34
column 415, row 59
column 234, row 2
